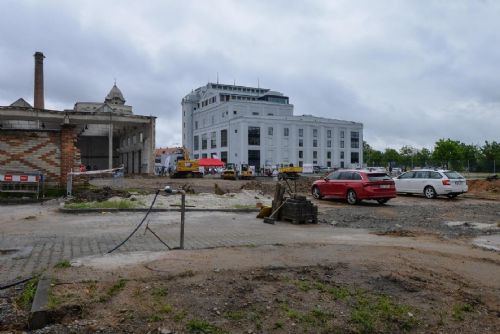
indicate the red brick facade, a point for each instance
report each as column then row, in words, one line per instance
column 51, row 152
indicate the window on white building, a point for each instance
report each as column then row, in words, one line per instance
column 328, row 143
column 355, row 157
column 204, row 141
column 301, row 132
column 270, row 131
column 301, row 154
column 328, row 133
column 341, row 154
column 223, row 138
column 355, row 139
column 301, row 142
column 285, row 132
column 196, row 143
column 213, row 140
column 196, row 125
column 253, row 135
column 328, row 155
column 315, row 133
column 315, row 143
column 315, row 154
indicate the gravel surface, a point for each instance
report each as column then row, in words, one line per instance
column 449, row 218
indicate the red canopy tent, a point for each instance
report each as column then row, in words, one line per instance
column 207, row 162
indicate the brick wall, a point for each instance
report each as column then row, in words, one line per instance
column 38, row 151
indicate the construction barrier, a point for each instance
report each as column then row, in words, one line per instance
column 21, row 182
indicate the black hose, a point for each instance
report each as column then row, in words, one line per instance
column 6, row 286
column 138, row 226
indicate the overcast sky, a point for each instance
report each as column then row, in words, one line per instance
column 411, row 71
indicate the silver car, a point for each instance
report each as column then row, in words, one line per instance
column 431, row 183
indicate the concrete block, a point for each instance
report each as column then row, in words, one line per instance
column 39, row 317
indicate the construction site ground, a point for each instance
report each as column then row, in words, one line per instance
column 412, row 265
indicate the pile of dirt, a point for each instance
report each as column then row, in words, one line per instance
column 481, row 186
column 98, row 195
column 302, row 185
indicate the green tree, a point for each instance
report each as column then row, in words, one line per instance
column 371, row 156
column 491, row 153
column 447, row 152
column 423, row 157
column 391, row 156
column 472, row 156
column 407, row 155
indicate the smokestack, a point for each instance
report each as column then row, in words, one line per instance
column 39, row 99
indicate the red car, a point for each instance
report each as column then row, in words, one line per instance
column 355, row 185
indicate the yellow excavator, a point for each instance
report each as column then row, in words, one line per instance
column 289, row 172
column 230, row 172
column 185, row 167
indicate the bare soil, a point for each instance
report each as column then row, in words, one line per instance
column 448, row 287
column 283, row 289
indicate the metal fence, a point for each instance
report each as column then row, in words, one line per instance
column 464, row 166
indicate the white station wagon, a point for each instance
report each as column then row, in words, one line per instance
column 431, row 183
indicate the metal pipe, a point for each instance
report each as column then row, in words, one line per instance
column 183, row 212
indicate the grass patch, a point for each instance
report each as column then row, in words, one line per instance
column 159, row 292
column 202, row 327
column 154, row 318
column 234, row 315
column 54, row 302
column 117, row 287
column 303, row 285
column 24, row 300
column 63, row 264
column 373, row 312
column 121, row 204
column 166, row 308
column 458, row 311
column 339, row 293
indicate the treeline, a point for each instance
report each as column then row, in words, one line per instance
column 449, row 153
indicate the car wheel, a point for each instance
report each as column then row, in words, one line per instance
column 316, row 193
column 382, row 200
column 429, row 192
column 352, row 198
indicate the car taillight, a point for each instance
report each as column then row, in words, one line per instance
column 446, row 182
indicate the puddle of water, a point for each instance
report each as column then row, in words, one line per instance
column 469, row 224
column 491, row 242
column 8, row 251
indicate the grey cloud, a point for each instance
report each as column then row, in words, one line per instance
column 412, row 72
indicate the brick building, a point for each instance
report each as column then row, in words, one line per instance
column 99, row 135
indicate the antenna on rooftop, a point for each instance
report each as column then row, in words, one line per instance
column 234, row 82
column 217, row 77
column 258, row 83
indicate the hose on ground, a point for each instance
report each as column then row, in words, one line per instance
column 138, row 226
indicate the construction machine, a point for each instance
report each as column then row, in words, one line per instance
column 185, row 167
column 246, row 172
column 289, row 172
column 230, row 172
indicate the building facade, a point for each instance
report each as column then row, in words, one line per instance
column 256, row 126
column 99, row 135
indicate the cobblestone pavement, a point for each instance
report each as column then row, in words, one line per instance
column 34, row 238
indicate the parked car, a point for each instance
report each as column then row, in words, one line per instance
column 355, row 185
column 431, row 183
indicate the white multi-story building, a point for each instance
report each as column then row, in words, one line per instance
column 256, row 126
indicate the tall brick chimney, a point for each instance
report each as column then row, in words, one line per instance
column 39, row 99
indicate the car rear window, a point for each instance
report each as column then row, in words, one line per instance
column 453, row 175
column 378, row 177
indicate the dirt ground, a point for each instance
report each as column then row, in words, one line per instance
column 438, row 283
